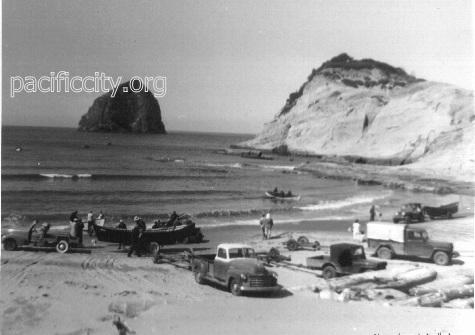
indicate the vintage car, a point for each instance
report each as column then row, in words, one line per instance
column 409, row 213
column 344, row 259
column 236, row 268
column 13, row 239
column 389, row 240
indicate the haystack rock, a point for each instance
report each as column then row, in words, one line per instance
column 128, row 111
column 369, row 111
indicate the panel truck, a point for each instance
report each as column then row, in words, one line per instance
column 235, row 267
column 389, row 239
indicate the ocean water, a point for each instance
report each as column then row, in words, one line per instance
column 59, row 170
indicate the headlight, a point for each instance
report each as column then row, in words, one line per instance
column 274, row 274
column 243, row 276
column 403, row 213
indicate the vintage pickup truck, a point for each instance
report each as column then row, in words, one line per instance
column 236, row 268
column 344, row 259
column 388, row 240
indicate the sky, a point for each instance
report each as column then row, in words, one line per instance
column 229, row 65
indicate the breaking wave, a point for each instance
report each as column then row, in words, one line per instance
column 336, row 204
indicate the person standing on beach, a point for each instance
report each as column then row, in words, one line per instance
column 261, row 223
column 74, row 215
column 121, row 225
column 79, row 229
column 90, row 223
column 372, row 213
column 268, row 224
column 136, row 238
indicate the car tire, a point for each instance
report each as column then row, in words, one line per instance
column 329, row 272
column 235, row 288
column 199, row 278
column 9, row 244
column 441, row 258
column 303, row 240
column 292, row 244
column 384, row 253
column 62, row 246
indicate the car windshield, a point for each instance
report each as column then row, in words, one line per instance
column 241, row 253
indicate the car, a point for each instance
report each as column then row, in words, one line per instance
column 343, row 259
column 15, row 238
column 389, row 240
column 409, row 213
column 236, row 268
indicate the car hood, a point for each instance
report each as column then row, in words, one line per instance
column 248, row 265
column 441, row 245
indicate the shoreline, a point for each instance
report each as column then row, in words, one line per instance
column 372, row 171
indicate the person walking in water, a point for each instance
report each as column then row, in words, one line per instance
column 261, row 223
column 268, row 224
column 372, row 213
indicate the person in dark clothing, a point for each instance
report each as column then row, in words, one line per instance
column 372, row 213
column 275, row 191
column 79, row 229
column 121, row 225
column 289, row 194
column 282, row 194
column 156, row 224
column 137, row 232
column 172, row 220
column 74, row 215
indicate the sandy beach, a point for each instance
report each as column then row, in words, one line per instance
column 51, row 293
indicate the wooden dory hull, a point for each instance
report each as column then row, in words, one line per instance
column 162, row 236
column 269, row 195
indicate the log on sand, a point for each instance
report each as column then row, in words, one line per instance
column 443, row 284
column 437, row 299
column 459, row 303
column 411, row 278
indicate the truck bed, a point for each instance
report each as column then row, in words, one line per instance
column 316, row 262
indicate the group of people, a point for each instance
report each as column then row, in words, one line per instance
column 266, row 224
column 281, row 193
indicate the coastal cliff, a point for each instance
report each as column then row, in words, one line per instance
column 136, row 112
column 366, row 111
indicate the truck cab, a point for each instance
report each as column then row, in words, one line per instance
column 235, row 267
column 390, row 240
column 343, row 259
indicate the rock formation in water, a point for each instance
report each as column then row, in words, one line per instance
column 128, row 111
column 369, row 111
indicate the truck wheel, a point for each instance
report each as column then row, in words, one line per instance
column 199, row 278
column 303, row 240
column 292, row 244
column 153, row 247
column 384, row 253
column 62, row 246
column 316, row 245
column 9, row 244
column 234, row 287
column 329, row 272
column 441, row 258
